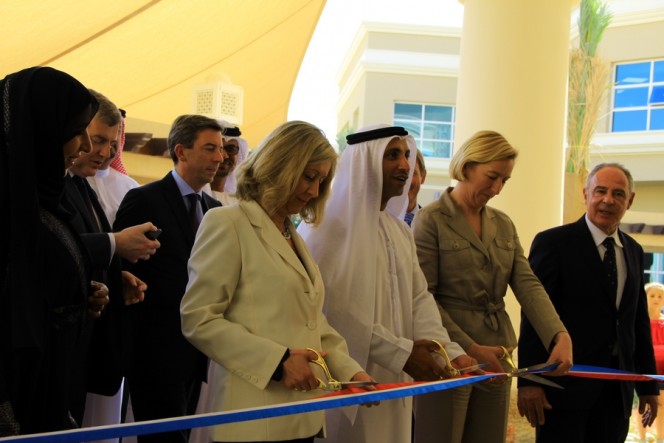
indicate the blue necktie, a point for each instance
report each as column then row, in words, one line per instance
column 408, row 218
column 194, row 203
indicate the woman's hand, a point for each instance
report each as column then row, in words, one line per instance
column 490, row 356
column 98, row 299
column 465, row 361
column 297, row 373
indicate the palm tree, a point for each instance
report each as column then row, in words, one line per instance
column 588, row 84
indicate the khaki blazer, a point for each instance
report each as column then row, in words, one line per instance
column 468, row 276
column 249, row 298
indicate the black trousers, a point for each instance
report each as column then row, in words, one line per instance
column 152, row 401
column 602, row 421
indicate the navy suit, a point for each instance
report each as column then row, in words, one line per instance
column 568, row 263
column 102, row 371
column 158, row 354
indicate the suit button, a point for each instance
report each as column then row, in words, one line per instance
column 455, row 245
column 311, row 324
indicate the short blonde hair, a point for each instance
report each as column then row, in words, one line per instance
column 654, row 285
column 273, row 170
column 482, row 147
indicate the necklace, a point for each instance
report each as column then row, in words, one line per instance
column 286, row 232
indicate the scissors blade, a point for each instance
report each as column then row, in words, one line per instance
column 473, row 368
column 541, row 380
column 542, row 367
column 357, row 384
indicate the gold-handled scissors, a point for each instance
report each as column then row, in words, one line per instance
column 454, row 372
column 333, row 384
column 524, row 372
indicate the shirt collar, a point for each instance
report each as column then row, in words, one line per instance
column 183, row 186
column 599, row 235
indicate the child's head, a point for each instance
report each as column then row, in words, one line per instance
column 655, row 295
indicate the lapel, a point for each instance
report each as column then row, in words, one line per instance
column 79, row 205
column 101, row 215
column 271, row 236
column 631, row 266
column 210, row 202
column 174, row 202
column 458, row 223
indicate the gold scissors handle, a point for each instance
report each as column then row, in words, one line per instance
column 507, row 358
column 331, row 384
column 454, row 372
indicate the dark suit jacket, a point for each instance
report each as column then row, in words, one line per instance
column 567, row 262
column 104, row 358
column 157, row 350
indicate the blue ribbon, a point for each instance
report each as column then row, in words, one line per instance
column 220, row 418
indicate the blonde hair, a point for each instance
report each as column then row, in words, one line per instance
column 482, row 147
column 654, row 285
column 273, row 170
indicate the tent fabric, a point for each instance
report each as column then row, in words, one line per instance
column 147, row 56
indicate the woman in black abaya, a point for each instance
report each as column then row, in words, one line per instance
column 44, row 284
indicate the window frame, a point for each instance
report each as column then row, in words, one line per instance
column 422, row 122
column 641, row 115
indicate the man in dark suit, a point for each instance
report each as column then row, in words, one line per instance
column 164, row 371
column 596, row 286
column 101, row 374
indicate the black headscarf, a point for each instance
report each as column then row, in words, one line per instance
column 41, row 109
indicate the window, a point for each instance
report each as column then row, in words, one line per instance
column 638, row 97
column 654, row 268
column 432, row 127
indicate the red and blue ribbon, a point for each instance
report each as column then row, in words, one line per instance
column 347, row 397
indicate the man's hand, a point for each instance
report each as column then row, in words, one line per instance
column 421, row 365
column 363, row 376
column 532, row 402
column 132, row 244
column 98, row 299
column 561, row 353
column 648, row 409
column 133, row 288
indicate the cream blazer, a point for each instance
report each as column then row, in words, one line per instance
column 468, row 276
column 249, row 298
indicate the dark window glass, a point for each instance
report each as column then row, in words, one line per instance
column 658, row 74
column 413, row 128
column 404, row 111
column 657, row 95
column 629, row 121
column 438, row 113
column 440, row 131
column 630, row 97
column 657, row 120
column 633, row 73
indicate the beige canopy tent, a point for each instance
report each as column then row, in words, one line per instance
column 149, row 56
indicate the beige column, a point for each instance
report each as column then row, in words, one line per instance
column 513, row 79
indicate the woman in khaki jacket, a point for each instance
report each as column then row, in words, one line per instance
column 470, row 253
